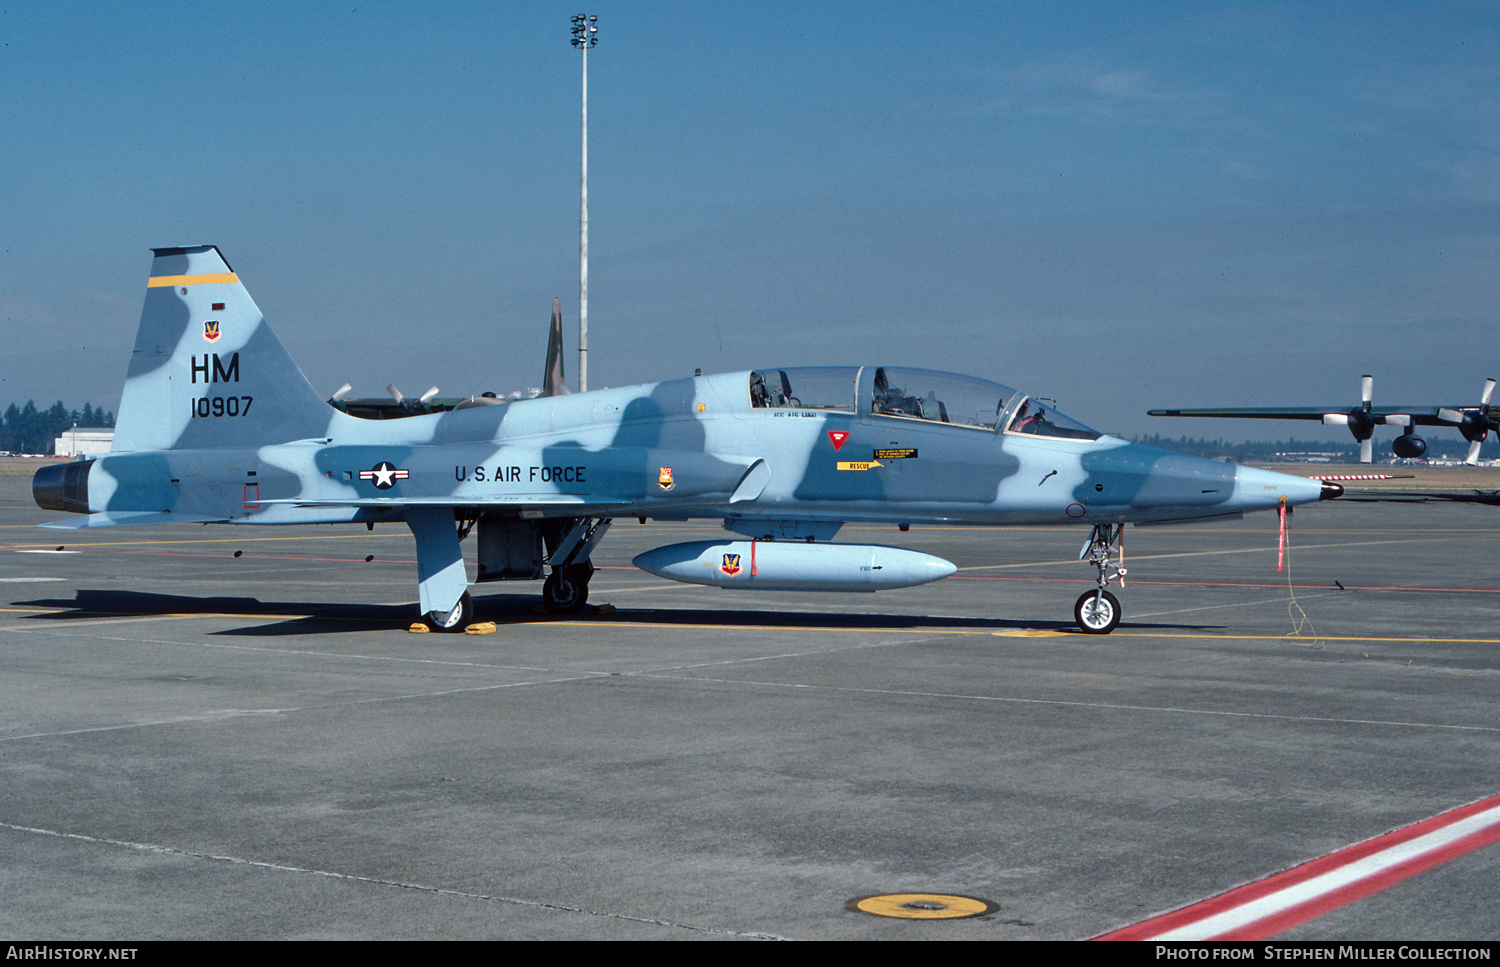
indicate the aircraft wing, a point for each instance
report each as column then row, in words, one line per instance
column 1419, row 415
column 1491, row 497
column 1474, row 422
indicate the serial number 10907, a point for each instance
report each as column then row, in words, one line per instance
column 222, row 406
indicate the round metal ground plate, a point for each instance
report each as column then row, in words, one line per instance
column 922, row 906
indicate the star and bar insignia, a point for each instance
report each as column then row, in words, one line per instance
column 384, row 474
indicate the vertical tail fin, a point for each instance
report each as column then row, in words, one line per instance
column 207, row 371
column 553, row 381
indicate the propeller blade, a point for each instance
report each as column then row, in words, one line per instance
column 1335, row 419
column 1473, row 458
column 1366, row 450
column 1397, row 419
column 1452, row 416
column 342, row 391
column 1488, row 393
column 395, row 393
column 1366, row 391
column 428, row 395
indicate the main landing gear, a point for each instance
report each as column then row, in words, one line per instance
column 1098, row 612
column 566, row 589
column 456, row 620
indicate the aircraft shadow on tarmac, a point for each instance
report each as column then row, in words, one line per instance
column 311, row 618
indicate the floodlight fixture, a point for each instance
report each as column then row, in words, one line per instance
column 585, row 35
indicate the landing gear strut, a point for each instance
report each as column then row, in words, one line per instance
column 566, row 589
column 1098, row 612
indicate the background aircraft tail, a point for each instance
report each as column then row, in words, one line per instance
column 207, row 371
column 553, row 381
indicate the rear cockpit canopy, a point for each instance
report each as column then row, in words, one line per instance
column 804, row 388
column 924, row 394
column 911, row 394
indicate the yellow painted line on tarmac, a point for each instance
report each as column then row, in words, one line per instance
column 692, row 626
column 113, row 617
column 135, row 619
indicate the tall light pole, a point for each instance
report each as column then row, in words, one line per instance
column 585, row 35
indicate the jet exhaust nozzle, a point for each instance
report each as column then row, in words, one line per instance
column 63, row 486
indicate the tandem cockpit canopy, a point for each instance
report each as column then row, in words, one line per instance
column 912, row 394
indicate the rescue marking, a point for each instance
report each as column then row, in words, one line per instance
column 922, row 906
column 858, row 464
column 1265, row 908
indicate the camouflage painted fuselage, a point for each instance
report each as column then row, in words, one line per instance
column 217, row 424
column 678, row 449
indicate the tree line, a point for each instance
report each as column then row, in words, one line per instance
column 26, row 429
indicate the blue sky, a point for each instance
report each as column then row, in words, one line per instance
column 1119, row 206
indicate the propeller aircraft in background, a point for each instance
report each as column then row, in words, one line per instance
column 218, row 425
column 1474, row 422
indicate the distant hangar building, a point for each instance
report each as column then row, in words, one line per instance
column 83, row 442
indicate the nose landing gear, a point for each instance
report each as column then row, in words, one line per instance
column 1098, row 611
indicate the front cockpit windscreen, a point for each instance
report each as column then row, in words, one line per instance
column 804, row 388
column 925, row 394
column 1038, row 417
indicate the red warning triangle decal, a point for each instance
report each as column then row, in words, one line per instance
column 837, row 438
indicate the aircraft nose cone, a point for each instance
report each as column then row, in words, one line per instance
column 1254, row 487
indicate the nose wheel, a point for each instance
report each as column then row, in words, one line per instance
column 1098, row 612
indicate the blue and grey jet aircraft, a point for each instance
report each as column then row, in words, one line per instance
column 218, row 425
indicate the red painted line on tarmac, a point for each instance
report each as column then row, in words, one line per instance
column 1265, row 908
column 261, row 557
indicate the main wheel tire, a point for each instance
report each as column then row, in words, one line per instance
column 566, row 589
column 1097, row 617
column 454, row 621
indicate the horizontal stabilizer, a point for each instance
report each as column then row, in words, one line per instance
column 130, row 518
